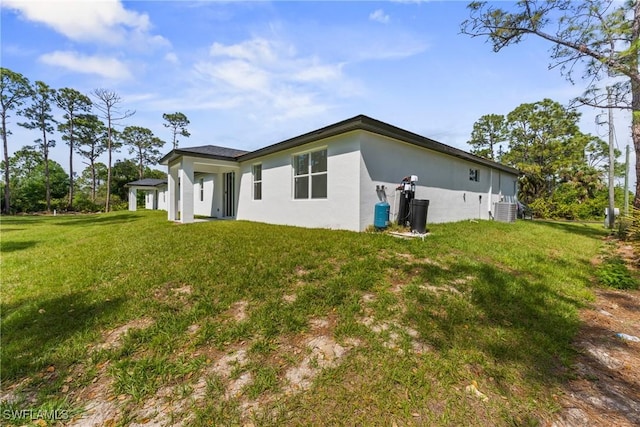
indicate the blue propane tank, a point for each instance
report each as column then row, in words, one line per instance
column 381, row 215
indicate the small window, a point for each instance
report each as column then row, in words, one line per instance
column 310, row 175
column 257, row 182
column 202, row 189
column 474, row 175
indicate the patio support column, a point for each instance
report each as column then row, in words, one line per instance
column 186, row 190
column 218, row 192
column 133, row 198
column 172, row 193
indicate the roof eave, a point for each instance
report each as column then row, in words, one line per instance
column 174, row 154
column 369, row 124
column 394, row 132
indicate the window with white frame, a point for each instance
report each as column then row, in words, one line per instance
column 257, row 181
column 474, row 175
column 201, row 189
column 310, row 175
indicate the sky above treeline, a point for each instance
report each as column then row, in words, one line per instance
column 250, row 74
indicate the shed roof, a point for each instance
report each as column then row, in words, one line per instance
column 147, row 182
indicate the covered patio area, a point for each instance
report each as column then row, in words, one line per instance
column 202, row 181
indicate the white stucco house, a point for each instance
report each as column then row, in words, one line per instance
column 331, row 178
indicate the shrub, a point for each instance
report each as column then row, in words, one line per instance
column 613, row 272
column 629, row 226
column 84, row 204
column 541, row 208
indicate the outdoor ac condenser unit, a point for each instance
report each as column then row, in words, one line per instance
column 505, row 212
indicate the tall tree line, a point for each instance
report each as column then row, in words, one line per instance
column 600, row 38
column 88, row 127
column 560, row 164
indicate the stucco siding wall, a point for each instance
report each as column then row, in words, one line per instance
column 162, row 198
column 509, row 186
column 442, row 179
column 148, row 199
column 340, row 210
column 203, row 206
column 504, row 188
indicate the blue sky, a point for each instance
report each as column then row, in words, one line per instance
column 250, row 74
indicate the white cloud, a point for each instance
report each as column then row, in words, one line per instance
column 383, row 49
column 239, row 75
column 379, row 16
column 89, row 21
column 257, row 49
column 103, row 66
column 270, row 75
column 319, row 72
column 139, row 97
column 172, row 58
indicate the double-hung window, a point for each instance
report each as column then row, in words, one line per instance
column 310, row 175
column 256, row 172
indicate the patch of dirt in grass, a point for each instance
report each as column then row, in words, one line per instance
column 9, row 394
column 289, row 298
column 238, row 311
column 605, row 390
column 298, row 360
column 438, row 289
column 410, row 258
column 300, row 271
column 113, row 339
column 631, row 255
column 463, row 280
column 397, row 279
column 173, row 291
column 193, row 329
column 101, row 407
column 322, row 352
column 392, row 332
column 225, row 365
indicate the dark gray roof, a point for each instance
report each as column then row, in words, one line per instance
column 147, row 182
column 360, row 122
column 208, row 151
column 366, row 123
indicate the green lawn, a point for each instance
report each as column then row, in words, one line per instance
column 419, row 328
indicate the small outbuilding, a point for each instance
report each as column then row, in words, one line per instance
column 155, row 193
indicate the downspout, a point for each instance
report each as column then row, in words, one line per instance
column 490, row 197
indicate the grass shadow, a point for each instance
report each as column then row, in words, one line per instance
column 98, row 219
column 16, row 246
column 19, row 219
column 536, row 312
column 579, row 228
column 33, row 333
column 514, row 319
